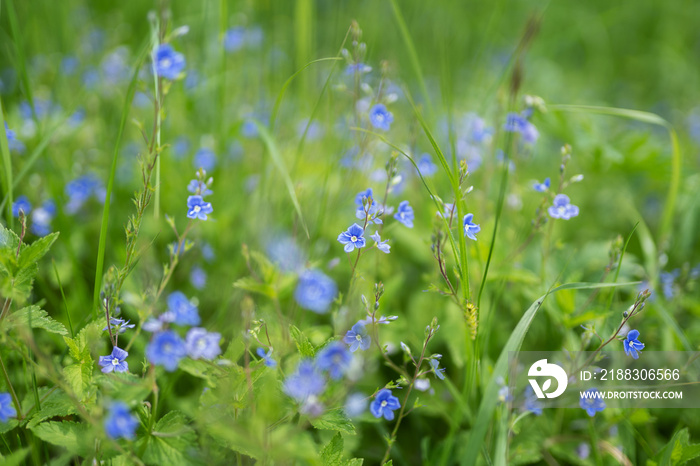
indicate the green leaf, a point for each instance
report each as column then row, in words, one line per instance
column 16, row 458
column 254, row 286
column 35, row 317
column 303, row 344
column 170, row 441
column 73, row 436
column 332, row 454
column 490, row 399
column 334, row 420
column 31, row 254
column 678, row 450
column 124, row 386
column 79, row 377
column 58, row 403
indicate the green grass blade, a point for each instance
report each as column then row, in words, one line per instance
column 19, row 50
column 279, row 163
column 99, row 266
column 676, row 155
column 411, row 48
column 490, row 398
column 7, row 167
column 278, row 101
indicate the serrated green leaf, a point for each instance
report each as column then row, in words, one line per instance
column 73, row 436
column 334, row 420
column 678, row 450
column 16, row 458
column 303, row 344
column 58, row 403
column 124, row 386
column 171, row 439
column 332, row 454
column 31, row 254
column 35, row 317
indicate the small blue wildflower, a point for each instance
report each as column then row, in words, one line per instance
column 234, row 39
column 77, row 118
column 532, row 403
column 384, row 404
column 202, row 344
column 504, row 395
column 285, row 253
column 199, row 187
column 352, row 238
column 208, row 252
column 358, row 337
column 632, row 345
column 22, row 203
column 198, row 208
column 592, row 402
column 168, row 63
column 267, row 357
column 115, row 67
column 562, row 208
column 381, row 245
column 362, row 196
column 382, row 320
column 115, row 361
column 667, row 279
column 156, row 325
column 119, row 326
column 249, row 129
column 335, row 359
column 583, row 450
column 91, row 78
column 541, row 187
column 404, row 214
column 360, row 68
column 315, row 291
column 205, row 158
column 181, row 147
column 368, row 208
column 6, row 409
column 120, row 423
column 80, row 190
column 519, row 124
column 355, row 405
column 198, row 278
column 380, row 117
column 426, row 167
column 435, row 367
column 69, row 64
column 305, row 382
column 470, row 228
column 183, row 311
column 166, row 349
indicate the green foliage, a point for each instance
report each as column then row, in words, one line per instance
column 171, row 442
column 75, row 437
column 332, row 454
column 678, row 450
column 306, row 349
column 334, row 420
column 35, row 317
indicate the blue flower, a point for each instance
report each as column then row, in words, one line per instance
column 426, row 167
column 541, row 187
column 504, row 395
column 81, row 189
column 335, row 359
column 360, row 198
column 519, row 124
column 360, row 68
column 6, row 409
column 404, row 214
column 69, row 64
column 532, row 403
column 115, row 361
column 168, row 63
column 435, row 367
column 198, row 208
column 120, row 423
column 384, row 404
column 199, row 187
column 470, row 228
column 22, row 203
column 315, row 291
column 202, row 344
column 267, row 357
column 667, row 279
column 183, row 311
column 198, row 278
column 352, row 238
column 380, row 117
column 592, row 401
column 166, row 349
column 355, row 405
column 119, row 325
column 632, row 345
column 562, row 208
column 234, row 39
column 583, row 450
column 305, row 382
column 283, row 250
column 381, row 245
column 358, row 337
column 205, row 158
